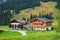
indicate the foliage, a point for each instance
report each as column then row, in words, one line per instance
column 47, row 29
column 49, row 15
column 5, row 18
column 24, row 18
column 9, row 25
column 52, row 28
column 1, row 31
column 35, row 16
column 58, row 28
column 40, row 15
column 31, row 28
column 20, row 26
column 28, row 19
column 31, row 17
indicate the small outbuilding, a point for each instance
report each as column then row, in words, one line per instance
column 15, row 22
column 41, row 24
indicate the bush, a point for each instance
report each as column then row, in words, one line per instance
column 9, row 25
column 1, row 31
column 20, row 26
column 52, row 28
column 31, row 28
column 47, row 29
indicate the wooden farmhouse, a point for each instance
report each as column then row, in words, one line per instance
column 41, row 24
column 15, row 22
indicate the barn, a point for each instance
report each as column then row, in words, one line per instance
column 41, row 24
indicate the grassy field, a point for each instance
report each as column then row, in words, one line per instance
column 4, row 28
column 31, row 35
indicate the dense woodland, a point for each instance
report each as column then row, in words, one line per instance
column 17, row 5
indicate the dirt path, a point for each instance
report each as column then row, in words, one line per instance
column 20, row 31
column 23, row 33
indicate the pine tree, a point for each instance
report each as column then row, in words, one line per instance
column 35, row 16
column 24, row 18
column 31, row 17
column 28, row 19
column 39, row 15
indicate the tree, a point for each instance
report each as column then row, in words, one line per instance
column 49, row 16
column 35, row 16
column 28, row 19
column 7, row 16
column 20, row 26
column 40, row 15
column 31, row 17
column 24, row 18
column 58, row 28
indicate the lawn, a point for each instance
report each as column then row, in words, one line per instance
column 9, row 34
column 4, row 28
column 31, row 35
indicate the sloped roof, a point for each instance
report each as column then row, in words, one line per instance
column 46, row 19
column 19, row 20
column 43, row 19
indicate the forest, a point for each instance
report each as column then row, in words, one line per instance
column 17, row 5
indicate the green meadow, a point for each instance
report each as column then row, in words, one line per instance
column 45, row 7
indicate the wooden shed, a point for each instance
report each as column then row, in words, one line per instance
column 41, row 24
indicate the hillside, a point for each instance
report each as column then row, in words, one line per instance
column 45, row 7
column 24, row 8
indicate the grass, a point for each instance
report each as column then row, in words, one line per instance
column 4, row 28
column 31, row 35
column 7, row 34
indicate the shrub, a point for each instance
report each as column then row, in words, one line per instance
column 1, row 31
column 31, row 28
column 47, row 29
column 9, row 25
column 20, row 26
column 52, row 28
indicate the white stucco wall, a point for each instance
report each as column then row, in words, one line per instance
column 49, row 28
column 14, row 23
column 39, row 28
column 27, row 26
